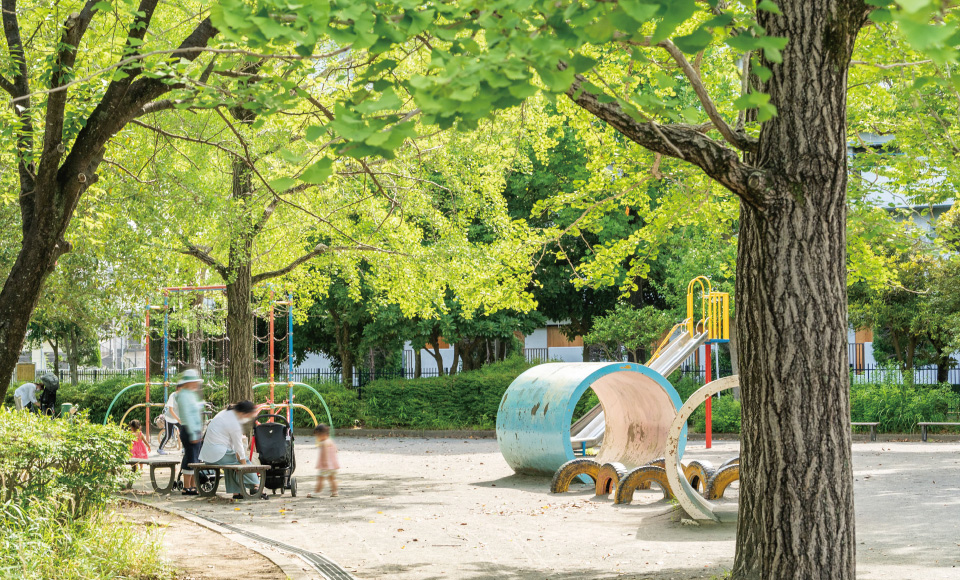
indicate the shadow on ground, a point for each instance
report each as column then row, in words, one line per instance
column 502, row 572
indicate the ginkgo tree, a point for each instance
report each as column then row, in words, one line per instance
column 780, row 144
column 79, row 73
column 252, row 198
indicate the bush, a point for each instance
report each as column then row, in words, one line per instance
column 898, row 408
column 38, row 541
column 725, row 415
column 57, row 476
column 69, row 462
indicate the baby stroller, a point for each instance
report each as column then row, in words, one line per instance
column 274, row 443
column 48, row 398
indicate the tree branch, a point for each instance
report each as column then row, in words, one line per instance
column 271, row 207
column 128, row 172
column 679, row 141
column 203, row 254
column 739, row 140
column 120, row 105
column 19, row 87
column 73, row 30
column 316, row 251
column 187, row 138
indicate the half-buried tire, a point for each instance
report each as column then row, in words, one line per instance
column 641, row 478
column 698, row 473
column 571, row 469
column 721, row 480
column 609, row 477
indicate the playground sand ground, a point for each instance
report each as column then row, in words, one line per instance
column 419, row 509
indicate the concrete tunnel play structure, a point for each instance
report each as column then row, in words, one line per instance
column 533, row 422
column 637, row 403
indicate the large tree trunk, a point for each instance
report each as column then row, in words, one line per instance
column 944, row 360
column 796, row 517
column 239, row 275
column 55, row 344
column 240, row 333
column 21, row 292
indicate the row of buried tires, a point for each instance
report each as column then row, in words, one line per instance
column 614, row 478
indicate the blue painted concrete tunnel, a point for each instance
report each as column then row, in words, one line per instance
column 533, row 421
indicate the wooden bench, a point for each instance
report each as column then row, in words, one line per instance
column 873, row 429
column 210, row 490
column 924, row 425
column 159, row 463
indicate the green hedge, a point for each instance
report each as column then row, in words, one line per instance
column 464, row 401
column 898, row 408
column 470, row 401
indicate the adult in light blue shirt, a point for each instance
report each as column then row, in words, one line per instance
column 190, row 402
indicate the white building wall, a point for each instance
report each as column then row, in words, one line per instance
column 537, row 339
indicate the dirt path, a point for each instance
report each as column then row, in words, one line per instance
column 424, row 509
column 198, row 553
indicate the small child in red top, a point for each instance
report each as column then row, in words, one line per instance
column 328, row 463
column 141, row 447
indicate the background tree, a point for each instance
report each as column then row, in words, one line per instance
column 631, row 332
column 62, row 119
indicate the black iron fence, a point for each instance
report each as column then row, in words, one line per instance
column 926, row 375
column 864, row 374
column 361, row 377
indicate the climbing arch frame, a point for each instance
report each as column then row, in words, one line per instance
column 692, row 502
column 533, row 421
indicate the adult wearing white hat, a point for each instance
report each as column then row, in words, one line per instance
column 189, row 403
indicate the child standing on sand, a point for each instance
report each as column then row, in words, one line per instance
column 328, row 463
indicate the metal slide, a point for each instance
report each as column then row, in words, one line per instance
column 588, row 430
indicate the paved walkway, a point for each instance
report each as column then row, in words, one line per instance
column 423, row 509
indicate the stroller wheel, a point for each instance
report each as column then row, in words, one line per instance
column 293, row 486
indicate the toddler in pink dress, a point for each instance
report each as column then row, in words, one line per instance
column 141, row 448
column 328, row 463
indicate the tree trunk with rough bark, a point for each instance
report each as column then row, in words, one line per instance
column 240, row 334
column 73, row 349
column 55, row 344
column 21, row 292
column 796, row 476
column 796, row 517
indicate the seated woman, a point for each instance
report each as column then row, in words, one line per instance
column 223, row 445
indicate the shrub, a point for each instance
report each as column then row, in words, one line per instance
column 898, row 407
column 57, row 475
column 40, row 542
column 725, row 415
column 66, row 461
